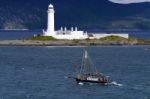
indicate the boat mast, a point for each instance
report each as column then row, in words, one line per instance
column 86, row 68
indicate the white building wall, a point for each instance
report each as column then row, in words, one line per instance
column 98, row 36
column 72, row 35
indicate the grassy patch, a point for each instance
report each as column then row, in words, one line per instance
column 113, row 38
column 42, row 38
column 138, row 40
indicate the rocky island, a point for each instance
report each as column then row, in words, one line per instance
column 50, row 41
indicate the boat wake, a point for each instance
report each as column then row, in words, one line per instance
column 116, row 84
column 81, row 83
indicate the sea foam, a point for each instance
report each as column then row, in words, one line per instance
column 116, row 84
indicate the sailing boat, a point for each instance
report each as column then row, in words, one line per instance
column 89, row 73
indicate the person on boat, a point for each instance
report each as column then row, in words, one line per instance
column 78, row 77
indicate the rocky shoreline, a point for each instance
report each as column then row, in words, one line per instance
column 63, row 43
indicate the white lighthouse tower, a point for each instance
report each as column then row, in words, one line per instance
column 50, row 25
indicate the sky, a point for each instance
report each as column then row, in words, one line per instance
column 129, row 1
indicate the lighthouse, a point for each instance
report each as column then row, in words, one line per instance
column 63, row 33
column 73, row 33
column 50, row 24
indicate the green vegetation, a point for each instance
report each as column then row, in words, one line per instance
column 130, row 40
column 138, row 40
column 113, row 38
column 42, row 38
column 106, row 40
column 116, row 39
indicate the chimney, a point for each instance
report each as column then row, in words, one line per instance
column 61, row 29
column 71, row 29
column 65, row 29
column 76, row 29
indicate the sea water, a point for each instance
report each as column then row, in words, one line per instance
column 41, row 72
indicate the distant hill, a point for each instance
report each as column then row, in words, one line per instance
column 86, row 14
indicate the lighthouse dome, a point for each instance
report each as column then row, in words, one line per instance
column 50, row 6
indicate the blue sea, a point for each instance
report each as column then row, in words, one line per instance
column 41, row 72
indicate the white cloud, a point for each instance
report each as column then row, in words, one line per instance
column 129, row 1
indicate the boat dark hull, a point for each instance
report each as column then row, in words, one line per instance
column 90, row 81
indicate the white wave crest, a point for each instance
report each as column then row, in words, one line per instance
column 116, row 84
column 80, row 83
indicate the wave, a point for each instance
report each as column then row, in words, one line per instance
column 116, row 84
